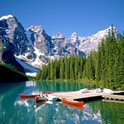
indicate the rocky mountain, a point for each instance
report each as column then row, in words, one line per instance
column 34, row 47
column 7, row 49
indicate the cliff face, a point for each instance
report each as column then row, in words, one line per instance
column 8, row 48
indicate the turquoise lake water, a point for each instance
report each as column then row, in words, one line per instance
column 14, row 111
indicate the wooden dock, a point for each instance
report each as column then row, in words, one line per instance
column 114, row 97
column 89, row 96
column 75, row 95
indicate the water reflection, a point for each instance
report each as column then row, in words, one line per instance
column 25, row 111
column 12, row 110
column 9, row 109
column 8, row 95
column 89, row 114
column 59, row 86
column 112, row 112
column 57, row 113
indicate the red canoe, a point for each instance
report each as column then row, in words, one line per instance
column 39, row 99
column 81, row 108
column 72, row 102
column 29, row 96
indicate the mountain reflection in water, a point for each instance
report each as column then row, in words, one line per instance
column 15, row 111
column 57, row 113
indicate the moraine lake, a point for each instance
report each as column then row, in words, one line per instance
column 14, row 111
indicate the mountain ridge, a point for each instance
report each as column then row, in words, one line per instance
column 36, row 48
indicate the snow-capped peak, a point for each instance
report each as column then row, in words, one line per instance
column 36, row 29
column 110, row 27
column 104, row 33
column 58, row 35
column 74, row 35
column 6, row 17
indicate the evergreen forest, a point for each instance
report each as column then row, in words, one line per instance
column 105, row 66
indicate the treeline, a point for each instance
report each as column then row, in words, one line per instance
column 64, row 68
column 105, row 66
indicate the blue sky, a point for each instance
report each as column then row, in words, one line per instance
column 85, row 17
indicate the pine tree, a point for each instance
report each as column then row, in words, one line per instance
column 66, row 68
column 38, row 76
column 71, row 67
column 51, row 71
column 76, row 67
column 62, row 71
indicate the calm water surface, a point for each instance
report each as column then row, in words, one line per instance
column 14, row 111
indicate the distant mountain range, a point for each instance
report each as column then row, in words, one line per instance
column 33, row 47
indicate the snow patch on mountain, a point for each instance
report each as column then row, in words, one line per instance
column 6, row 17
column 37, row 60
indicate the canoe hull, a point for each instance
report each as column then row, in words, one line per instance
column 23, row 96
column 72, row 102
column 81, row 108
